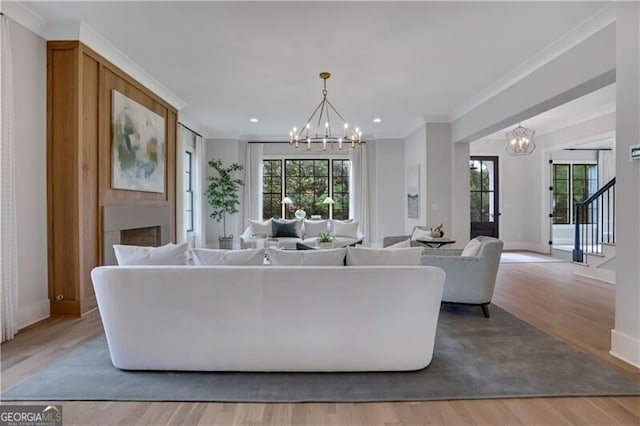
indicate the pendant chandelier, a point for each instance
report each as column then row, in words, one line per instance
column 318, row 131
column 520, row 141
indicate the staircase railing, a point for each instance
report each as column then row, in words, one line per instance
column 595, row 222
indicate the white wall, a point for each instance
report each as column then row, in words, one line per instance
column 438, row 175
column 388, row 196
column 29, row 55
column 415, row 153
column 625, row 338
column 520, row 201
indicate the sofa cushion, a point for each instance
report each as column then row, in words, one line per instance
column 400, row 244
column 250, row 257
column 313, row 228
column 287, row 228
column 341, row 229
column 329, row 257
column 259, row 227
column 363, row 256
column 170, row 254
column 472, row 248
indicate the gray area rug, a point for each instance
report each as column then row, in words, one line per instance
column 475, row 358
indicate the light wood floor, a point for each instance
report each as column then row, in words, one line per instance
column 577, row 310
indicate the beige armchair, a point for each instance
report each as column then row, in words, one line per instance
column 470, row 279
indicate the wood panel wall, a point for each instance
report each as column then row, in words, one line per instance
column 79, row 94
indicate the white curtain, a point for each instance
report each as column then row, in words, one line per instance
column 200, row 171
column 359, row 209
column 253, row 183
column 183, row 136
column 606, row 167
column 8, row 222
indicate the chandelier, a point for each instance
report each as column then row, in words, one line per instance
column 322, row 133
column 520, row 141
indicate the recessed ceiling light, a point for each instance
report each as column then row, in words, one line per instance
column 377, row 120
column 253, row 120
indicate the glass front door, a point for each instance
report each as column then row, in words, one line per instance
column 483, row 184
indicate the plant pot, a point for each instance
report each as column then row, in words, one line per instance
column 226, row 243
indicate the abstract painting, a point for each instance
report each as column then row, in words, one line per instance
column 413, row 192
column 138, row 146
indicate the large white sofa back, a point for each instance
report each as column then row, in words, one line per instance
column 372, row 318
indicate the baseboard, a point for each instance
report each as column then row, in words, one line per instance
column 625, row 348
column 33, row 312
column 526, row 246
column 605, row 275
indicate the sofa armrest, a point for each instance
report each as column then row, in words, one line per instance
column 467, row 278
column 441, row 252
column 246, row 235
column 387, row 241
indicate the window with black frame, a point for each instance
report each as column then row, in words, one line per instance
column 188, row 191
column 307, row 182
column 572, row 183
column 271, row 188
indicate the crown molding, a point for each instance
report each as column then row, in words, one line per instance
column 23, row 15
column 94, row 40
column 596, row 22
column 75, row 30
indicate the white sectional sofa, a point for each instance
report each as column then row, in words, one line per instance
column 370, row 318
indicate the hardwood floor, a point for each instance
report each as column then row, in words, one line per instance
column 574, row 309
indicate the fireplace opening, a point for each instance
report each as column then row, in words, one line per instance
column 148, row 236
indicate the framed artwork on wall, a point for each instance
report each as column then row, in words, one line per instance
column 413, row 192
column 138, row 146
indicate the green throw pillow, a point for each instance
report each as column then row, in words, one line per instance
column 284, row 229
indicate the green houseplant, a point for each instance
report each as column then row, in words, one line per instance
column 223, row 196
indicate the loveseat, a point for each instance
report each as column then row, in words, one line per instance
column 222, row 318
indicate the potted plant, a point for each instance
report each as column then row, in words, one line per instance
column 325, row 240
column 223, row 196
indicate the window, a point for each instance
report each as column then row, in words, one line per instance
column 188, row 191
column 307, row 182
column 572, row 183
column 271, row 188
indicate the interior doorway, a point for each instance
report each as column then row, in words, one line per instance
column 483, row 184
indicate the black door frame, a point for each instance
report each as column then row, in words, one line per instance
column 494, row 229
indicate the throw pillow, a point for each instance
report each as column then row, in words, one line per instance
column 329, row 257
column 261, row 227
column 332, row 223
column 400, row 244
column 170, row 254
column 313, row 228
column 419, row 233
column 472, row 248
column 287, row 228
column 363, row 256
column 228, row 257
column 342, row 229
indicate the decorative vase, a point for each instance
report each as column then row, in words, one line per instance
column 226, row 243
column 300, row 214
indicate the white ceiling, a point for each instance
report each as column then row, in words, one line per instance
column 230, row 61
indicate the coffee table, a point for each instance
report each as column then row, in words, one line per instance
column 302, row 246
column 435, row 242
